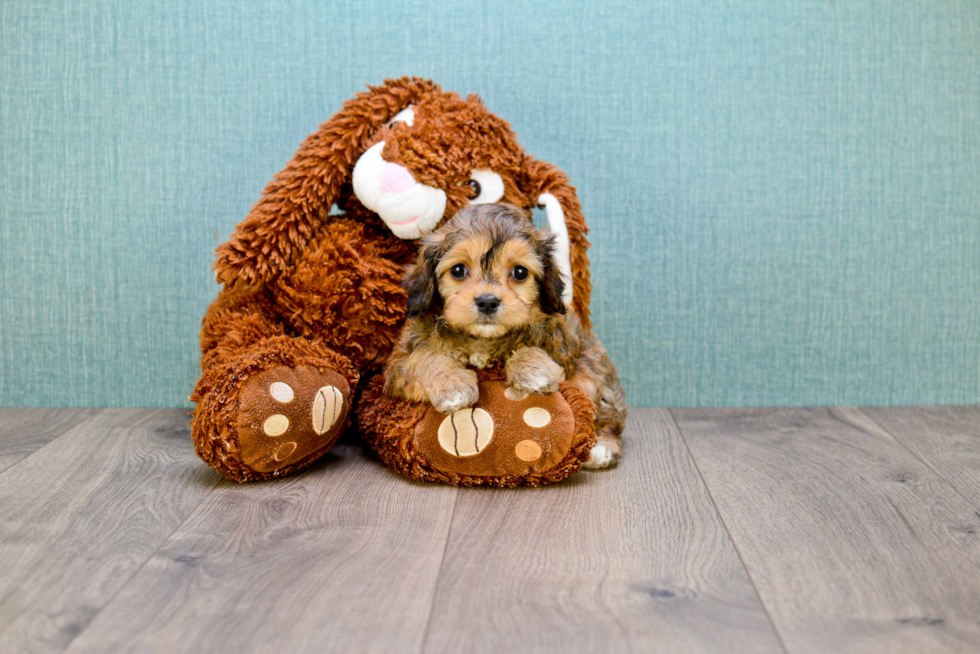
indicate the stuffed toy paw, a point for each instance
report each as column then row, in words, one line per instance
column 508, row 438
column 273, row 409
column 286, row 414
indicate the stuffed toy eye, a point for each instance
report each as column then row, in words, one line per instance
column 486, row 187
column 520, row 273
column 458, row 271
column 406, row 116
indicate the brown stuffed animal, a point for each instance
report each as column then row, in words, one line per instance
column 312, row 301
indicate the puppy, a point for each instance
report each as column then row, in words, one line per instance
column 485, row 290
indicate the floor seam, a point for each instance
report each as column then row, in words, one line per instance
column 915, row 456
column 141, row 565
column 442, row 563
column 98, row 412
column 731, row 539
column 126, row 583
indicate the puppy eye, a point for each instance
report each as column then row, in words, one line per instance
column 458, row 271
column 520, row 273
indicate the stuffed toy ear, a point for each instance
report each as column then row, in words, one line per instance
column 548, row 186
column 299, row 197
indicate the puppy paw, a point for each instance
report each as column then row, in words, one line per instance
column 604, row 455
column 531, row 370
column 452, row 392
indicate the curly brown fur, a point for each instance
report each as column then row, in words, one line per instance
column 484, row 291
column 300, row 279
column 448, row 140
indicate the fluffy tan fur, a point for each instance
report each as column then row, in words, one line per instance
column 530, row 333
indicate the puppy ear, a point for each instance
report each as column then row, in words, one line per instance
column 537, row 179
column 552, row 286
column 299, row 197
column 420, row 281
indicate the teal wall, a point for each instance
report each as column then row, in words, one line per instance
column 784, row 196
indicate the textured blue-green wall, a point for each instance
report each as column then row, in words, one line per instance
column 784, row 196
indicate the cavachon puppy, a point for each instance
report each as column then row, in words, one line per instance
column 485, row 290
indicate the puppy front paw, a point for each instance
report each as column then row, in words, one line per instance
column 451, row 392
column 531, row 370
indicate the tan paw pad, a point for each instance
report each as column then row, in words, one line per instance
column 466, row 432
column 537, row 417
column 284, row 451
column 275, row 425
column 327, row 406
column 281, row 392
column 527, row 451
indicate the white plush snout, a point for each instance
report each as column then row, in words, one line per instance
column 409, row 208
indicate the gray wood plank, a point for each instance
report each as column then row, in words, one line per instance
column 340, row 558
column 632, row 559
column 79, row 517
column 946, row 438
column 24, row 430
column 853, row 544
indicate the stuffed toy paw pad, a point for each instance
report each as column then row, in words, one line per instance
column 285, row 414
column 508, row 438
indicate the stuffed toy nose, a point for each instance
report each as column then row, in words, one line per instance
column 395, row 178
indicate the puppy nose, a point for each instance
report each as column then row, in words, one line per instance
column 487, row 304
column 395, row 178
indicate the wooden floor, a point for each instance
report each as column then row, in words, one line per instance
column 723, row 530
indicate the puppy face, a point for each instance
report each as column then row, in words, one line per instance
column 486, row 272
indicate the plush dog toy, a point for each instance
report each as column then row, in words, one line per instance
column 312, row 301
